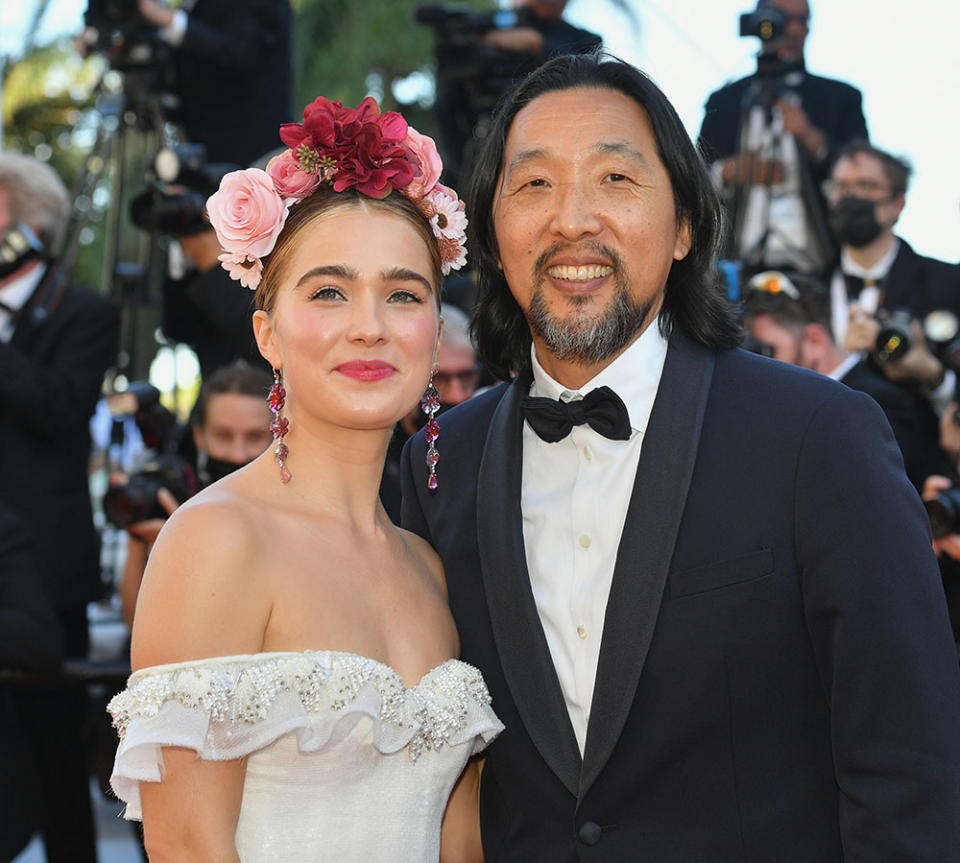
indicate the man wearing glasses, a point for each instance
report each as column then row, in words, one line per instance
column 770, row 139
column 879, row 272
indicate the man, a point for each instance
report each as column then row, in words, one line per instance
column 455, row 379
column 702, row 647
column 771, row 138
column 232, row 72
column 793, row 319
column 56, row 343
column 879, row 272
column 475, row 70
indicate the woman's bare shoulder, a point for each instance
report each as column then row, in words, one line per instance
column 426, row 557
column 205, row 590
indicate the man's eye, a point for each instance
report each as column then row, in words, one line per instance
column 617, row 178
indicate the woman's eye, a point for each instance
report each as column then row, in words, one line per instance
column 326, row 293
column 404, row 297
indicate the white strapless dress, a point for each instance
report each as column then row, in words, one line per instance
column 344, row 762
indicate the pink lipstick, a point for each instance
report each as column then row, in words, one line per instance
column 366, row 370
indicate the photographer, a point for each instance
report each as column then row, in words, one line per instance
column 881, row 277
column 231, row 70
column 792, row 317
column 771, row 138
column 479, row 56
column 229, row 427
column 56, row 343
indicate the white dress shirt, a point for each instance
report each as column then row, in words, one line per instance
column 14, row 294
column 574, row 498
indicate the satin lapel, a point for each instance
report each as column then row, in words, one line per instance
column 646, row 546
column 524, row 654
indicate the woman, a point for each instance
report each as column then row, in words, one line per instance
column 286, row 632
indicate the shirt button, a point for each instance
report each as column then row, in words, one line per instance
column 582, row 631
column 585, row 540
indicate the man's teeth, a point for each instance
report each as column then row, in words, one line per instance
column 586, row 273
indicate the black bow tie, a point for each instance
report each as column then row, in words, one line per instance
column 855, row 284
column 601, row 409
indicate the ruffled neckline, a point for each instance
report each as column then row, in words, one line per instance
column 270, row 655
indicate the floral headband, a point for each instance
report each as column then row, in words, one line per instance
column 347, row 148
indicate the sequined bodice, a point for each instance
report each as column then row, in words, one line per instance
column 344, row 762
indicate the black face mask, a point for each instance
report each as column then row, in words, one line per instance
column 211, row 469
column 854, row 221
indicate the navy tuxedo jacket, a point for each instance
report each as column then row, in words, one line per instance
column 777, row 679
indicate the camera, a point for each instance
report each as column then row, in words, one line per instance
column 944, row 513
column 461, row 20
column 940, row 329
column 136, row 500
column 179, row 181
column 765, row 22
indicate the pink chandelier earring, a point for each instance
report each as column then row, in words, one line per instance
column 430, row 404
column 279, row 425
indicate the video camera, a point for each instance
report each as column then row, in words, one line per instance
column 136, row 499
column 116, row 29
column 179, row 181
column 462, row 54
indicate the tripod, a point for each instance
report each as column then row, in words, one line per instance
column 131, row 124
column 778, row 216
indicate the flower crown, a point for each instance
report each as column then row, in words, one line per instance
column 347, row 148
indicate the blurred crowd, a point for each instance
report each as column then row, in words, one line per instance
column 813, row 263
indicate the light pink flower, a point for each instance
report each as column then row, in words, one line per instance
column 426, row 162
column 450, row 220
column 247, row 213
column 289, row 180
column 244, row 268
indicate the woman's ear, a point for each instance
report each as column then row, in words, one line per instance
column 265, row 334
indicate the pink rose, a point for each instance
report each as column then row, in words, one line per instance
column 289, row 180
column 426, row 163
column 247, row 213
column 243, row 268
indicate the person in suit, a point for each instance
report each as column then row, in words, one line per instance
column 30, row 641
column 707, row 608
column 791, row 315
column 56, row 342
column 879, row 273
column 231, row 59
column 771, row 138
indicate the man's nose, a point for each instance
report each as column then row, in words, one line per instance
column 577, row 212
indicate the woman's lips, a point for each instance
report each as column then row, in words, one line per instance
column 366, row 370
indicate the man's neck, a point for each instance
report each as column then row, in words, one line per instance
column 867, row 256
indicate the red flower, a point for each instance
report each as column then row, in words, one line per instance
column 365, row 145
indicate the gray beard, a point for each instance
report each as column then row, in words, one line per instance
column 588, row 340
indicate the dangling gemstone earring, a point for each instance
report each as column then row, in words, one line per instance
column 279, row 425
column 430, row 404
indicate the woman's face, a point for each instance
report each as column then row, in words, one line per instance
column 356, row 320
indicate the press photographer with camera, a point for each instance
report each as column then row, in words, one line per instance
column 770, row 138
column 229, row 427
column 482, row 54
column 57, row 341
column 885, row 298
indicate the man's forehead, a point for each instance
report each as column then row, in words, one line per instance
column 859, row 162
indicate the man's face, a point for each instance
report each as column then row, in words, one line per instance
column 236, row 428
column 586, row 223
column 797, row 13
column 457, row 375
column 862, row 176
column 549, row 10
column 786, row 343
